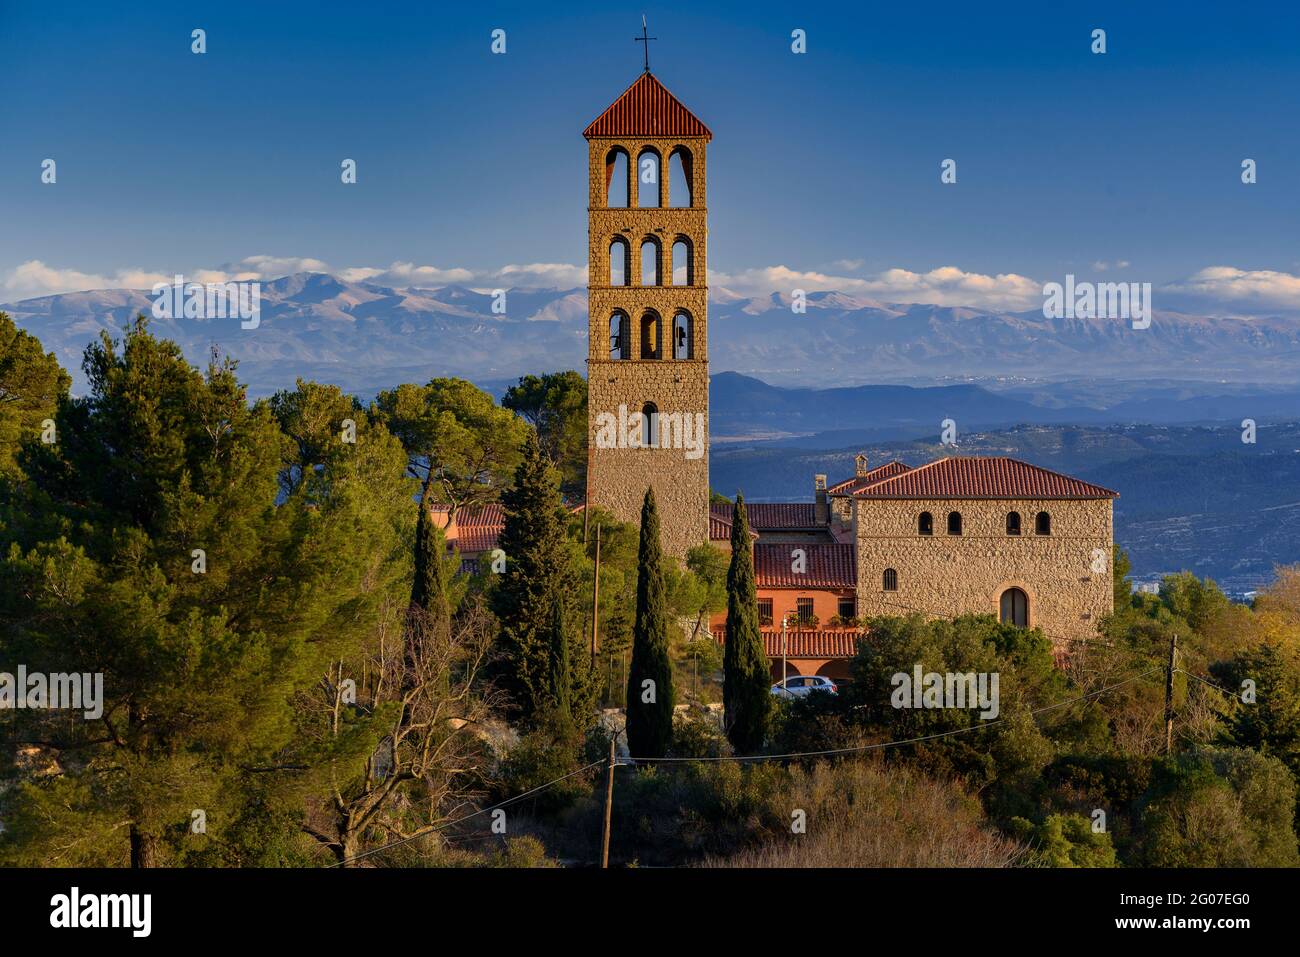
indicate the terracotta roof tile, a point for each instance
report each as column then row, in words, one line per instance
column 720, row 524
column 646, row 108
column 857, row 482
column 983, row 477
column 832, row 643
column 477, row 526
column 828, row 566
column 771, row 516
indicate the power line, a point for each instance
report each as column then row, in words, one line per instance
column 1205, row 681
column 739, row 758
column 447, row 824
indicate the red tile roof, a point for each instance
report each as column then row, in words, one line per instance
column 834, row 643
column 983, row 477
column 477, row 526
column 646, row 108
column 720, row 524
column 827, row 566
column 771, row 516
column 857, row 482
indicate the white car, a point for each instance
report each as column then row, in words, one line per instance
column 802, row 685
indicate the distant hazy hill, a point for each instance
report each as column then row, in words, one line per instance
column 364, row 336
column 838, row 417
column 742, row 404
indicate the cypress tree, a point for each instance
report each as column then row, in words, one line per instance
column 430, row 590
column 561, row 675
column 746, row 677
column 650, row 706
column 539, row 573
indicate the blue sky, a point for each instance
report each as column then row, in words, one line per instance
column 824, row 169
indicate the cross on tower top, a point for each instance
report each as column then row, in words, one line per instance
column 645, row 38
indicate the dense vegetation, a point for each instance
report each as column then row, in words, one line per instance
column 296, row 672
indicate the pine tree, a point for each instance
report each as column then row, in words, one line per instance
column 32, row 383
column 746, row 677
column 205, row 605
column 650, row 696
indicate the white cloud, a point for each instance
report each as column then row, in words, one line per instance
column 944, row 286
column 401, row 275
column 272, row 267
column 558, row 275
column 34, row 278
column 1241, row 289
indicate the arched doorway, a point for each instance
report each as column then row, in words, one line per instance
column 1014, row 608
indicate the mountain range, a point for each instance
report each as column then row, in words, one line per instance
column 364, row 337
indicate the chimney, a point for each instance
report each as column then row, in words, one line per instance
column 821, row 511
column 860, row 463
column 443, row 517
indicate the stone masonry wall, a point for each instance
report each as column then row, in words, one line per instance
column 944, row 575
column 618, row 477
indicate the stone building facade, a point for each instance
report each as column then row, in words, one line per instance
column 960, row 535
column 648, row 359
column 986, row 536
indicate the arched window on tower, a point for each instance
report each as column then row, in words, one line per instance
column 1014, row 608
column 649, row 425
column 683, row 262
column 648, row 173
column 650, row 262
column 679, row 177
column 1043, row 524
column 890, row 579
column 1013, row 523
column 925, row 524
column 620, row 262
column 616, row 177
column 683, row 336
column 954, row 523
column 651, row 336
column 620, row 341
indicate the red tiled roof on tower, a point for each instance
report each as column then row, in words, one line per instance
column 858, row 482
column 827, row 566
column 983, row 477
column 646, row 108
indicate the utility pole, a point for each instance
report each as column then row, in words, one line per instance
column 609, row 803
column 595, row 600
column 785, row 620
column 1169, row 696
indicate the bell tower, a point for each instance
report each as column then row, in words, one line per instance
column 648, row 356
